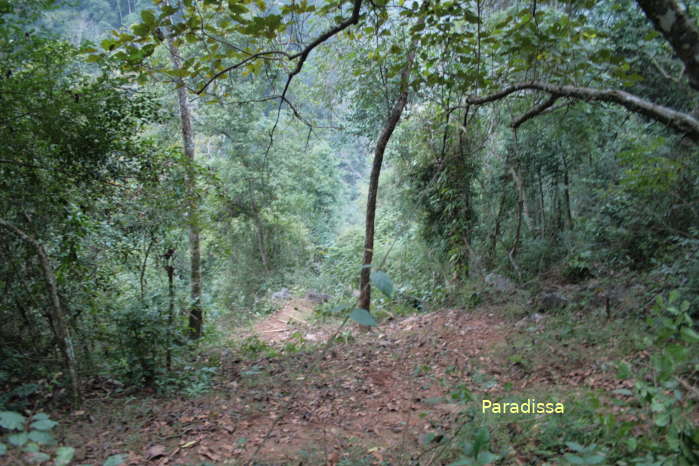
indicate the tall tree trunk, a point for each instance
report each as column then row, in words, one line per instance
column 566, row 194
column 522, row 194
column 364, row 301
column 259, row 234
column 542, row 206
column 496, row 231
column 170, row 270
column 61, row 329
column 467, row 208
column 195, row 313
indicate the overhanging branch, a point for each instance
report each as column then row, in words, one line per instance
column 535, row 111
column 678, row 121
column 679, row 29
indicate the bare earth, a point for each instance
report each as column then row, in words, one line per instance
column 382, row 395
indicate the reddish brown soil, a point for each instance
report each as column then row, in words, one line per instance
column 379, row 395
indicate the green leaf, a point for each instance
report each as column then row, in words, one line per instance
column 339, row 308
column 623, row 371
column 236, row 8
column 382, row 282
column 362, row 317
column 623, row 391
column 64, row 455
column 486, row 457
column 575, row 459
column 115, row 460
column 597, row 458
column 42, row 438
column 575, row 446
column 40, row 417
column 18, row 439
column 44, row 424
column 148, row 17
column 662, row 419
column 689, row 335
column 462, row 462
column 31, row 448
column 3, row 449
column 11, row 420
column 37, row 457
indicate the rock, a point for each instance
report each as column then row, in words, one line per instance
column 536, row 317
column 281, row 294
column 551, row 300
column 318, row 297
column 499, row 282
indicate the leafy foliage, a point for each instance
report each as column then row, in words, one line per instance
column 30, row 439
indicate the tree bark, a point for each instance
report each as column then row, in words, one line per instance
column 522, row 193
column 678, row 121
column 170, row 270
column 679, row 29
column 61, row 329
column 364, row 301
column 566, row 193
column 467, row 208
column 496, row 230
column 195, row 313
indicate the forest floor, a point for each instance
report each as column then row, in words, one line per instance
column 386, row 396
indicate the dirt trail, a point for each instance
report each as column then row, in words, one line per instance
column 291, row 318
column 379, row 395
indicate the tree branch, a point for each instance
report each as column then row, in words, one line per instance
column 536, row 110
column 678, row 121
column 63, row 336
column 252, row 57
column 679, row 29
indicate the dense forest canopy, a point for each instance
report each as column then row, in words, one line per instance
column 173, row 170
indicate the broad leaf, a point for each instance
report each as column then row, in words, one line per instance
column 11, row 420
column 18, row 439
column 689, row 335
column 42, row 438
column 115, row 460
column 362, row 317
column 37, row 457
column 44, row 424
column 382, row 282
column 64, row 455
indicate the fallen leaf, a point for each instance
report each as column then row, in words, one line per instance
column 156, row 451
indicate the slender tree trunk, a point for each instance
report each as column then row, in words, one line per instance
column 261, row 241
column 522, row 194
column 542, row 206
column 496, row 231
column 61, row 329
column 142, row 273
column 170, row 270
column 195, row 313
column 364, row 301
column 566, row 194
column 518, row 231
column 467, row 200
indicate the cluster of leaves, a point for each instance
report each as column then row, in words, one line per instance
column 31, row 441
column 665, row 388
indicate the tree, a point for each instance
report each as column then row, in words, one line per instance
column 196, row 312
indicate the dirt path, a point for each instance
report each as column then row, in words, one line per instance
column 293, row 317
column 379, row 395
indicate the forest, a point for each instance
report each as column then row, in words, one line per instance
column 349, row 232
